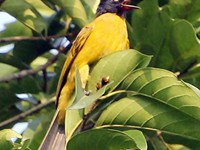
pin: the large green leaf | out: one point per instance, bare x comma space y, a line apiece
108, 139
163, 86
159, 102
74, 9
155, 25
40, 6
117, 66
26, 13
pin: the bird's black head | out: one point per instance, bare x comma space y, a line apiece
118, 7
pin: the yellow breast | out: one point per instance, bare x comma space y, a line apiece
109, 35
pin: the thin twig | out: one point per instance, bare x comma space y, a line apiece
27, 38
24, 73
25, 114
44, 87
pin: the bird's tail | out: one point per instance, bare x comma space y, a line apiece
55, 138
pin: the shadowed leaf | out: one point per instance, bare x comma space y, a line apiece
108, 139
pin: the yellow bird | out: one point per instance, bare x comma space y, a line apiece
103, 36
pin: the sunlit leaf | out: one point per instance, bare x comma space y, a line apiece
116, 67
15, 29
93, 4
5, 138
159, 102
43, 9
6, 70
74, 9
164, 86
26, 13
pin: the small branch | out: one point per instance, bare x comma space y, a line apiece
44, 87
25, 114
26, 38
24, 73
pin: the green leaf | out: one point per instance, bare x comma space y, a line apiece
117, 66
6, 70
146, 113
191, 73
73, 119
185, 9
93, 4
163, 86
41, 7
25, 13
107, 139
15, 29
159, 102
5, 138
154, 24
184, 45
74, 9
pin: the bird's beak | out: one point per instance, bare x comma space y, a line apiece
125, 5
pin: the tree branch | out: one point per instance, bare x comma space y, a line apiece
24, 73
26, 38
25, 114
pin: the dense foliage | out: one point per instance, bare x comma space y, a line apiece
152, 98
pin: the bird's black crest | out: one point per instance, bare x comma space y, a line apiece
109, 6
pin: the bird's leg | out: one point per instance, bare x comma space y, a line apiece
84, 73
